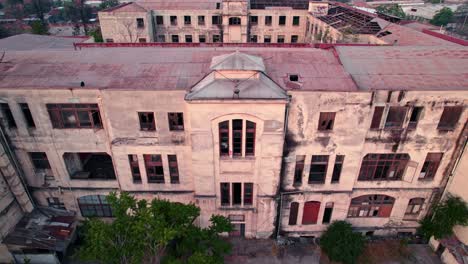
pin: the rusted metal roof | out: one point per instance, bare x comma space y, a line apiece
37, 42
237, 61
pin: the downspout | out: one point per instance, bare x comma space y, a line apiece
280, 211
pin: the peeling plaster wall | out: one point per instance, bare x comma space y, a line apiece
122, 26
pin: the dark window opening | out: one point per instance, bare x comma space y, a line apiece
377, 117
56, 203
268, 20
415, 116
318, 169
216, 20
89, 166
253, 20
176, 121
202, 38
293, 77
142, 40
310, 214
371, 206
147, 122
201, 20
299, 169
154, 168
216, 38
134, 168
294, 38
27, 115
159, 20
381, 167
414, 207
175, 38
430, 166
327, 213
94, 206
140, 23
282, 20
225, 200
337, 168
173, 20
326, 121
188, 38
248, 193
224, 138
234, 21
236, 193
237, 137
296, 20
238, 230
395, 117
450, 117
267, 39
187, 20
250, 139
280, 39
39, 160
218, 5
74, 115
173, 168
7, 115
253, 39
109, 40
294, 209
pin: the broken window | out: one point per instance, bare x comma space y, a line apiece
27, 115
55, 202
293, 210
414, 207
74, 115
187, 20
236, 193
202, 38
142, 40
147, 122
39, 160
173, 168
218, 5
326, 121
299, 169
159, 20
377, 117
237, 137
282, 20
450, 117
337, 168
176, 121
175, 38
224, 138
234, 21
188, 38
154, 168
318, 169
267, 39
225, 199
310, 213
94, 206
233, 193
430, 166
173, 20
89, 166
248, 193
140, 23
395, 117
7, 115
371, 206
294, 38
280, 39
134, 168
327, 213
250, 139
253, 20
201, 20
415, 116
216, 20
216, 38
380, 167
268, 20
253, 38
296, 20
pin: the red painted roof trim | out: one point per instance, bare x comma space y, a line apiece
446, 37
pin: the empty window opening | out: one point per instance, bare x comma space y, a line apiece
282, 20
280, 39
415, 206
267, 39
202, 38
327, 213
294, 38
415, 116
89, 166
175, 38
27, 115
225, 198
253, 20
326, 121
134, 168
310, 214
159, 20
248, 193
318, 169
337, 168
430, 166
147, 122
188, 38
250, 139
154, 168
74, 115
176, 121
268, 20
395, 117
173, 168
293, 210
94, 206
201, 20
237, 137
142, 40
39, 160
379, 167
7, 115
450, 117
293, 77
236, 193
234, 21
187, 20
253, 38
56, 203
216, 20
173, 20
377, 117
299, 169
216, 38
218, 5
224, 138
296, 20
140, 23
232, 193
371, 206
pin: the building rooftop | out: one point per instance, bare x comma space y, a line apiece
37, 42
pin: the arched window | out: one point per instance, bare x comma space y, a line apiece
310, 214
293, 213
94, 205
371, 206
234, 21
378, 167
241, 138
414, 207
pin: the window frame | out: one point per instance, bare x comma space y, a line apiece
377, 117
187, 20
326, 121
102, 205
452, 121
9, 119
371, 205
173, 169
280, 22
201, 20
280, 38
134, 164
337, 168
293, 213
28, 118
299, 169
430, 166
250, 138
140, 22
412, 204
176, 121
175, 37
320, 177
296, 21
56, 115
268, 20
294, 38
39, 160
253, 20
147, 125
154, 161
159, 20
234, 21
173, 20
396, 162
398, 115
188, 39
415, 117
216, 20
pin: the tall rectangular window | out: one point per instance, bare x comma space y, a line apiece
248, 193
7, 115
201, 20
140, 23
236, 193
415, 116
327, 213
39, 160
224, 138
27, 115
250, 139
173, 20
159, 20
134, 168
237, 128
253, 20
293, 210
450, 117
326, 121
154, 168
395, 117
299, 169
173, 168
187, 20
268, 20
225, 194
430, 166
296, 20
176, 121
282, 20
318, 169
377, 117
337, 168
74, 115
147, 122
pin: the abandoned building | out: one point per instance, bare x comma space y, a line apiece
254, 21
285, 139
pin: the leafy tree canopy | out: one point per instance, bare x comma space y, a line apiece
96, 34
153, 231
341, 243
447, 214
393, 10
108, 3
39, 28
442, 17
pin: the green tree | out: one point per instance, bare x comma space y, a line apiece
447, 214
393, 10
341, 243
152, 232
108, 3
4, 32
39, 28
442, 17
96, 34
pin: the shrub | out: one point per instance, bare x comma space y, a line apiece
341, 243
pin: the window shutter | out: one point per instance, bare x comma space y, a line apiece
311, 211
293, 213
